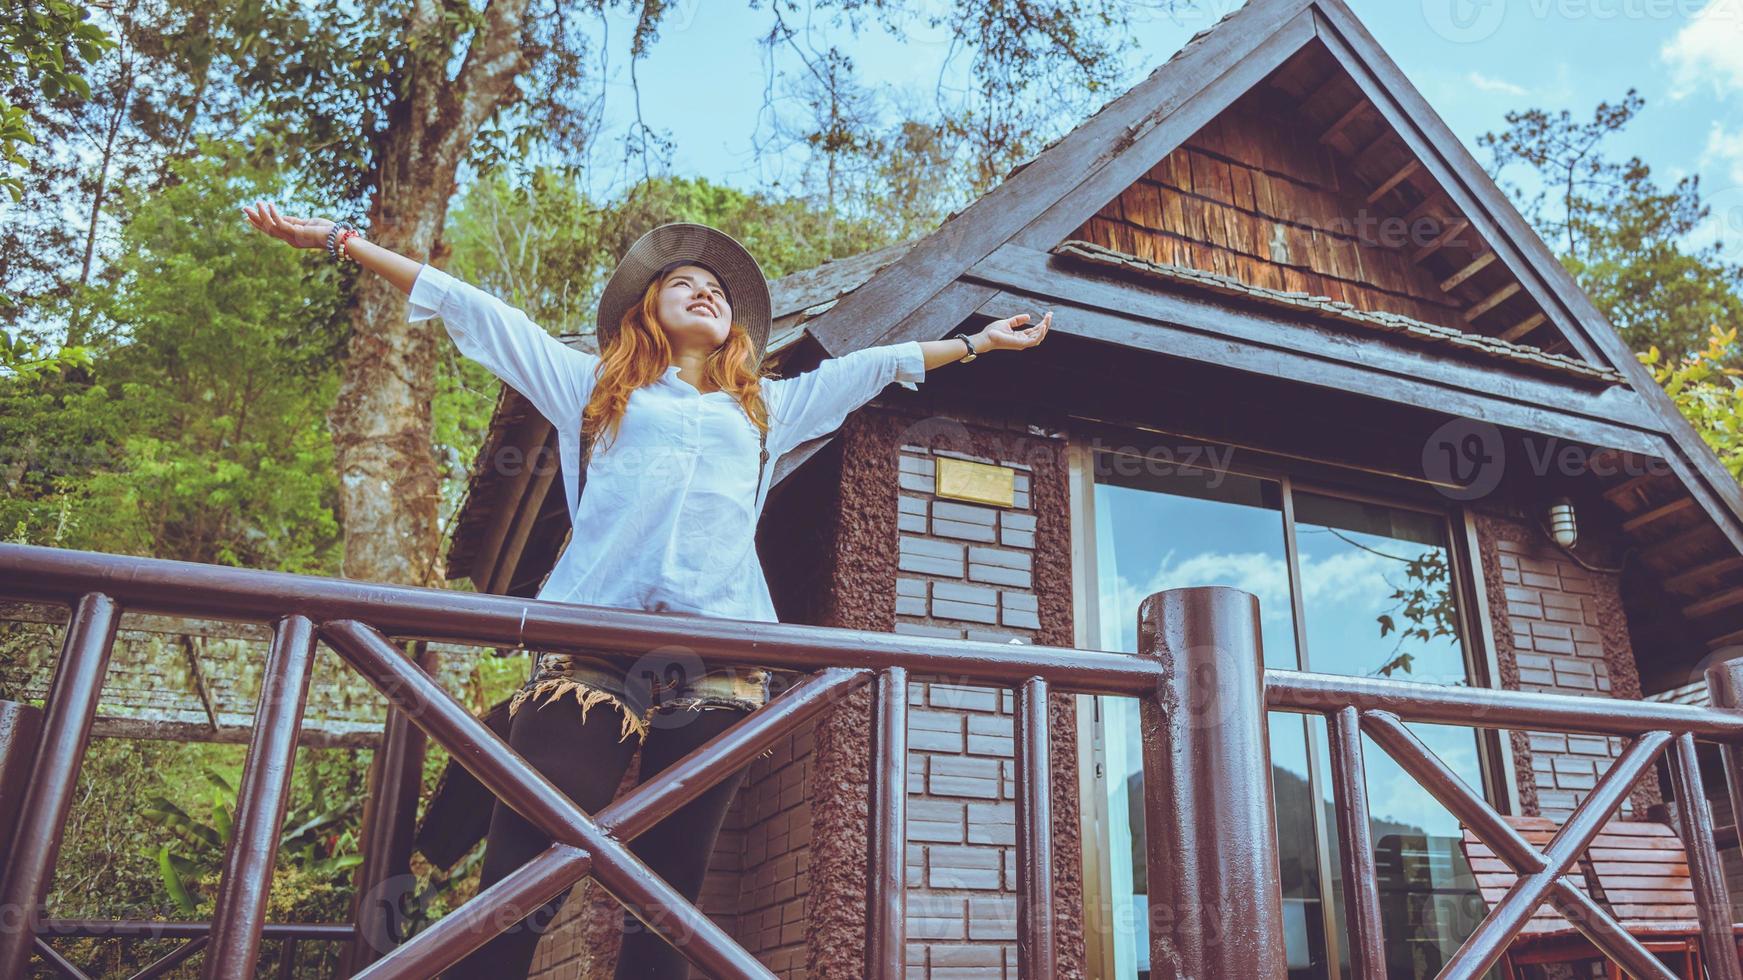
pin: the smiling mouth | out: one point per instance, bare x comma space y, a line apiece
704, 307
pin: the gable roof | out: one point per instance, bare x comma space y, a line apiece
1000, 253
1006, 250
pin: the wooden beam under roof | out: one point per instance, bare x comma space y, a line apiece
1524, 326
1626, 487
1670, 546
1441, 240
1639, 521
1714, 603
1387, 185
1365, 152
1471, 268
1421, 209
1330, 83
1348, 117
1493, 300
1703, 571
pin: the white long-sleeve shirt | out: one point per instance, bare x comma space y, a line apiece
668, 518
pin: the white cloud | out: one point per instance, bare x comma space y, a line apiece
1708, 51
1261, 574
1354, 579
1349, 581
1723, 154
1497, 86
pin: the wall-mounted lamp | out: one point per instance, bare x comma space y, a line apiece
1561, 522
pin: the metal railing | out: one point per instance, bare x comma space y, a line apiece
194, 936
1215, 899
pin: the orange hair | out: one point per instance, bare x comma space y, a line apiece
640, 354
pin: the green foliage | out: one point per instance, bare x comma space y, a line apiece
196, 428
26, 359
43, 43
316, 847
1425, 605
1625, 238
1708, 392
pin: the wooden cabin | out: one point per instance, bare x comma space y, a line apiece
1302, 345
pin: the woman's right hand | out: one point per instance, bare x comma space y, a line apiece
300, 232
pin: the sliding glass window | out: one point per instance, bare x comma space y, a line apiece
1346, 585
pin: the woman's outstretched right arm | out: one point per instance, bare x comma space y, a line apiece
556, 378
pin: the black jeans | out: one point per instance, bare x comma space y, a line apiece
587, 761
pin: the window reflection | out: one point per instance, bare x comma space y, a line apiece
1164, 530
1377, 599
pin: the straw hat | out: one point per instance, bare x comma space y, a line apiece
681, 243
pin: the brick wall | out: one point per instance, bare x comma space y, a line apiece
770, 826
965, 572
1559, 629
755, 888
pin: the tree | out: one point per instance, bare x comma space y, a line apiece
43, 44
1708, 392
198, 433
43, 47
1625, 238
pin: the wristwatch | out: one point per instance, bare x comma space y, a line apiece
971, 351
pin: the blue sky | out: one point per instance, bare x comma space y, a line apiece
1473, 60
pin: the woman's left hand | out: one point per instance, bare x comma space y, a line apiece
1011, 334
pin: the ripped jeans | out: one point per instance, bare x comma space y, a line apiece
586, 757
651, 691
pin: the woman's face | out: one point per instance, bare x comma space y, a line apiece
693, 309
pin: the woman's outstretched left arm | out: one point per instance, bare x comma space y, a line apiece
815, 403
1007, 334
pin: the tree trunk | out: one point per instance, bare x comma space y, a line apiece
381, 425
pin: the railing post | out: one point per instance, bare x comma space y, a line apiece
240, 911
886, 873
1349, 782
1706, 874
1216, 906
20, 734
1035, 900
66, 730
1725, 690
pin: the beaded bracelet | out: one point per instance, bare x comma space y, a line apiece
339, 245
337, 236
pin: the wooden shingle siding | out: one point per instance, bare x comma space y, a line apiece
1255, 196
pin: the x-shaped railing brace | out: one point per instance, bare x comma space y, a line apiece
1542, 874
582, 845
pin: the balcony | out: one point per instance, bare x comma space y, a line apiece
1198, 677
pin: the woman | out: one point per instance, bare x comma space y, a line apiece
677, 406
